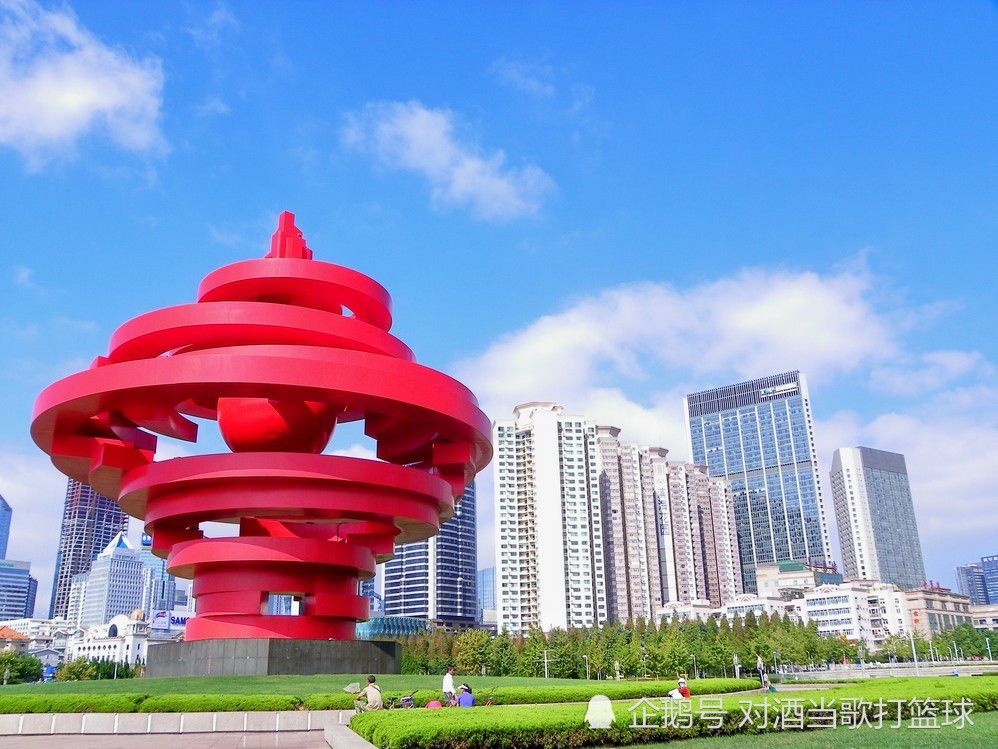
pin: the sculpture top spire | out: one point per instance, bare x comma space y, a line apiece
288, 240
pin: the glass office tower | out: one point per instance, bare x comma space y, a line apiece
759, 435
5, 513
436, 579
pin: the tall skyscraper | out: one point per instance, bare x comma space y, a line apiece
878, 534
550, 566
989, 565
698, 540
759, 435
5, 515
970, 583
435, 579
89, 522
159, 587
113, 585
487, 595
17, 590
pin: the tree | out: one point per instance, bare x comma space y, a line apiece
502, 656
474, 651
17, 668
79, 670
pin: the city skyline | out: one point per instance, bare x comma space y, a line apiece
618, 243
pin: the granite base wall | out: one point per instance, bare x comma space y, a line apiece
267, 657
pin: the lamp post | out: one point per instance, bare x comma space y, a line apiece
914, 655
776, 661
586, 657
987, 641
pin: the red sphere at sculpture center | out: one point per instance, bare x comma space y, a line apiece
268, 425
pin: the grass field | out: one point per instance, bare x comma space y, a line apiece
276, 684
984, 733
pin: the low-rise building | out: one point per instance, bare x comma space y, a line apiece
742, 604
790, 579
860, 610
11, 641
124, 639
933, 608
985, 617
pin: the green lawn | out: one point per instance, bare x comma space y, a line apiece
278, 684
984, 733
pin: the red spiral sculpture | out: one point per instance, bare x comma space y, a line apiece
277, 351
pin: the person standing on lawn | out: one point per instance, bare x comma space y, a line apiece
448, 687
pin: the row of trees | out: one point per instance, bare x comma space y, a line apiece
83, 670
641, 648
634, 649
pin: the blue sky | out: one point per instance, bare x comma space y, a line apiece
607, 207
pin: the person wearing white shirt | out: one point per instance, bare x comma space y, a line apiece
448, 687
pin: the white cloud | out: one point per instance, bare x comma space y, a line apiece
411, 137
929, 372
745, 326
626, 355
36, 491
59, 83
536, 80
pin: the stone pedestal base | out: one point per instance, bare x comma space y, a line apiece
265, 657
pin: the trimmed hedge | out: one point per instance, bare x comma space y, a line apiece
70, 703
217, 703
563, 726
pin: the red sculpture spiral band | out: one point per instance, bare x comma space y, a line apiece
278, 351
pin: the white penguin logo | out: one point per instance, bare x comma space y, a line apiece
600, 712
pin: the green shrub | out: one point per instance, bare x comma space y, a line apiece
341, 701
563, 726
217, 703
70, 703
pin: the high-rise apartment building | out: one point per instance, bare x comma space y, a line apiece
699, 558
759, 435
970, 583
17, 590
878, 534
550, 565
629, 504
113, 585
436, 579
89, 522
5, 515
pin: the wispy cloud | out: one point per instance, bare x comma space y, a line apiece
59, 83
411, 137
211, 107
531, 78
208, 32
24, 277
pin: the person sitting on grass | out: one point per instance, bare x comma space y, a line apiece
464, 696
681, 692
371, 695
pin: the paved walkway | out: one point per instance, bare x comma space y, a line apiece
310, 740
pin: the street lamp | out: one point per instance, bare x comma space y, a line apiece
914, 655
987, 641
776, 661
586, 657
